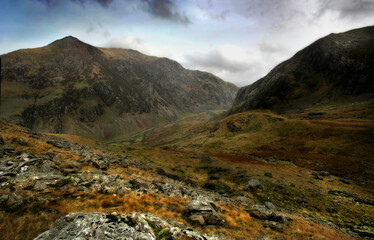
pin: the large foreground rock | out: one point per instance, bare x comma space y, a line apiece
100, 226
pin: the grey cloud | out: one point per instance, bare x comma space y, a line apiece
222, 16
349, 8
271, 48
283, 13
106, 34
217, 61
52, 3
129, 42
165, 9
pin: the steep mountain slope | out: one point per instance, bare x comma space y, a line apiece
72, 87
337, 69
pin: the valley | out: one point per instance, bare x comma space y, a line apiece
106, 143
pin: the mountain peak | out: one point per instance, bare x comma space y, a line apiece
68, 41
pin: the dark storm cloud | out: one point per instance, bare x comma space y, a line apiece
165, 9
51, 3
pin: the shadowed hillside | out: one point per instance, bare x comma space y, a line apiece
335, 70
72, 87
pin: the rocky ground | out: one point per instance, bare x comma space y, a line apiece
44, 174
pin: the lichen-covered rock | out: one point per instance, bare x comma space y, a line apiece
100, 226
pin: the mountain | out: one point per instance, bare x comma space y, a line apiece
335, 70
72, 87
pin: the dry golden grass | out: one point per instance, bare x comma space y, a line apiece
26, 226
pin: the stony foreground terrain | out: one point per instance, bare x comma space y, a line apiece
95, 194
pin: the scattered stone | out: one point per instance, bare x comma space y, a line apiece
160, 171
214, 176
262, 237
138, 183
172, 176
341, 193
344, 181
364, 201
40, 186
253, 184
317, 177
94, 225
11, 202
20, 141
270, 205
218, 186
364, 231
204, 213
7, 149
56, 143
50, 153
206, 160
324, 173
276, 226
197, 219
260, 211
270, 175
232, 127
264, 213
272, 119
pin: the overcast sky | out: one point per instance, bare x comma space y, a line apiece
238, 40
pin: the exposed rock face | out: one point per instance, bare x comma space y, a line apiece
72, 87
100, 226
338, 68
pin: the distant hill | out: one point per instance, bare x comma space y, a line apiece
335, 70
72, 87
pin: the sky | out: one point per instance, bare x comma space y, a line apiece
240, 41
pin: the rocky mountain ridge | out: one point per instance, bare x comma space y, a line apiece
73, 87
334, 70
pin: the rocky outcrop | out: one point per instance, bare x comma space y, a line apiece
336, 69
100, 226
268, 216
72, 87
253, 185
203, 212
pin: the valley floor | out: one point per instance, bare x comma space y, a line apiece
315, 168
